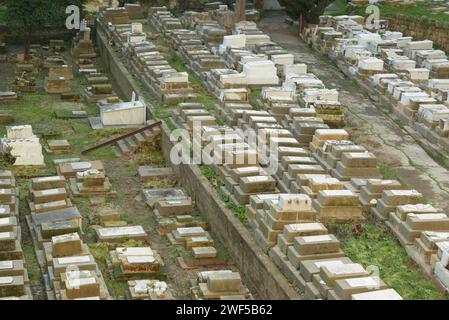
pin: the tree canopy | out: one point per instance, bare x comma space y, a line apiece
309, 10
24, 17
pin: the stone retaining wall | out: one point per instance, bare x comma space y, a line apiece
256, 268
421, 28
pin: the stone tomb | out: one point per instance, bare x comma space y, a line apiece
253, 185
218, 285
91, 182
58, 147
392, 198
167, 207
191, 237
152, 196
286, 210
385, 294
441, 265
149, 173
356, 165
135, 262
414, 223
325, 280
131, 113
79, 284
372, 191
149, 290
64, 71
50, 193
24, 146
337, 206
97, 92
57, 85
70, 169
56, 222
345, 288
121, 234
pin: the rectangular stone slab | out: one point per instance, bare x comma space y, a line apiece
316, 244
226, 282
329, 274
344, 288
257, 184
49, 195
52, 182
105, 234
385, 294
429, 221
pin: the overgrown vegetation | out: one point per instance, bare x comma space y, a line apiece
423, 10
387, 172
239, 211
375, 246
26, 17
305, 11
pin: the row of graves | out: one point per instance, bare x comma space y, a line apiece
70, 271
336, 180
14, 280
41, 57
248, 183
185, 228
135, 263
417, 86
114, 113
147, 60
99, 88
411, 75
172, 209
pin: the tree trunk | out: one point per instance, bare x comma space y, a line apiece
239, 10
27, 45
301, 23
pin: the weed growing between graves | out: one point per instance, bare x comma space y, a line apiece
376, 246
239, 211
100, 251
387, 172
254, 95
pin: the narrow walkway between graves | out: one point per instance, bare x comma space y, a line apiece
369, 125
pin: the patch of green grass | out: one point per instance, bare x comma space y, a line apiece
239, 211
343, 8
254, 95
2, 15
387, 172
100, 251
375, 246
422, 12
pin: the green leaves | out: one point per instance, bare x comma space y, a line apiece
37, 15
309, 9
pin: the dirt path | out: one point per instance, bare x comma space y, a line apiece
369, 125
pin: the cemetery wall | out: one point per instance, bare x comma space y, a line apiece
421, 29
257, 270
255, 266
117, 69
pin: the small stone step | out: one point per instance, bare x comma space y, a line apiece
132, 145
117, 151
148, 134
139, 138
123, 147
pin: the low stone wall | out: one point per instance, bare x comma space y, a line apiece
116, 68
421, 28
256, 268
